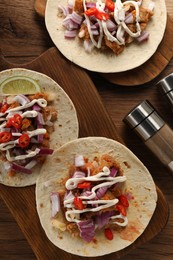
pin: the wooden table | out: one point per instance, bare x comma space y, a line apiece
23, 37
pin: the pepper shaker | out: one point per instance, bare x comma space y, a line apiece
153, 130
165, 86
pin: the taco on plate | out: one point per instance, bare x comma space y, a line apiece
105, 35
94, 197
32, 125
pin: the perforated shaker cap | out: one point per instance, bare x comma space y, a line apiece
144, 120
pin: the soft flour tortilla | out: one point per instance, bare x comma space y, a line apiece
66, 125
139, 183
133, 55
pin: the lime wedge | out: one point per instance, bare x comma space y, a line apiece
19, 85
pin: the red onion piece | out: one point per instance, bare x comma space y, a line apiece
129, 18
111, 25
113, 172
143, 37
79, 161
45, 151
101, 192
70, 34
87, 229
36, 108
63, 9
20, 168
40, 118
55, 200
88, 45
76, 18
78, 174
21, 99
90, 5
103, 219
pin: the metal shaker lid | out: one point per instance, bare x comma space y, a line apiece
144, 120
165, 86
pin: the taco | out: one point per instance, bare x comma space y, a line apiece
32, 126
105, 35
94, 197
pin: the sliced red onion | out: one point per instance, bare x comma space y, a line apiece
40, 118
21, 99
102, 219
76, 18
111, 25
70, 34
63, 9
113, 172
31, 164
95, 32
45, 151
55, 200
79, 161
70, 25
70, 3
20, 168
87, 229
40, 138
36, 108
68, 195
143, 37
129, 18
88, 45
86, 193
90, 5
101, 192
78, 174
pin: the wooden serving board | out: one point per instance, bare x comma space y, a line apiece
147, 71
93, 121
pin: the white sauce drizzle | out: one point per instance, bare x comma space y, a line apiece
29, 114
72, 215
119, 16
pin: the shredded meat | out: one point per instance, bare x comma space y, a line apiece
78, 7
73, 229
117, 49
144, 14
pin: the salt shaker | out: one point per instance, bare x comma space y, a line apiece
153, 130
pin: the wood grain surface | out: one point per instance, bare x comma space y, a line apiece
23, 37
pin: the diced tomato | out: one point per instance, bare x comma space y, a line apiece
121, 209
5, 137
4, 107
109, 234
24, 140
110, 5
91, 11
84, 185
78, 203
99, 15
102, 16
123, 200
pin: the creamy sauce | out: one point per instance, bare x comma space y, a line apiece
27, 114
119, 16
72, 215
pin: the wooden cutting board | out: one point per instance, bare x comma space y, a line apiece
147, 71
93, 121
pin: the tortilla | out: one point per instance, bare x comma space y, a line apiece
139, 184
133, 56
65, 127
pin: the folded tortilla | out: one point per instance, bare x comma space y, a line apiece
139, 184
107, 62
65, 127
